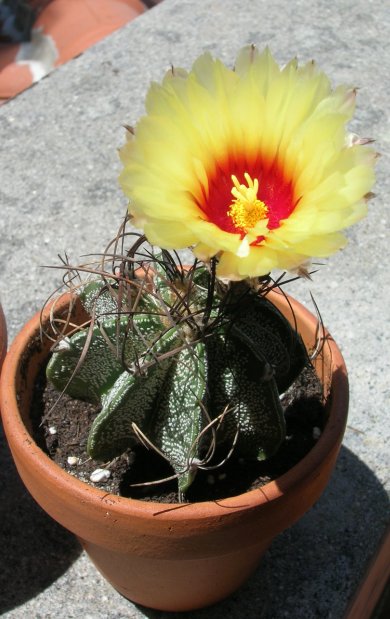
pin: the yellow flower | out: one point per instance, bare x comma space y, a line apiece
252, 165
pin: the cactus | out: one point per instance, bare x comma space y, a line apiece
181, 362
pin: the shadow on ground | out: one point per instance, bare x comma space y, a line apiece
310, 571
35, 550
313, 569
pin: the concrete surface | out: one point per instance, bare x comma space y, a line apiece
59, 193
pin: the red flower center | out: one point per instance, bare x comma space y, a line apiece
275, 191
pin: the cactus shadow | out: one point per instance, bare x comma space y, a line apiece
35, 549
313, 569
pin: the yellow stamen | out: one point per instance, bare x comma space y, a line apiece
246, 210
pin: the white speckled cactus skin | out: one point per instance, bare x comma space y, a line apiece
181, 363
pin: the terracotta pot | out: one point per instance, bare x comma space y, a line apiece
3, 336
62, 30
172, 557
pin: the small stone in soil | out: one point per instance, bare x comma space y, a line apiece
316, 433
99, 475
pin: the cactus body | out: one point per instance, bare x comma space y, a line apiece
172, 363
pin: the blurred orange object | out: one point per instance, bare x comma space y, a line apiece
63, 29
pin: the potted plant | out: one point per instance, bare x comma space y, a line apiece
254, 169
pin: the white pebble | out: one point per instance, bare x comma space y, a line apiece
72, 460
100, 475
52, 430
316, 433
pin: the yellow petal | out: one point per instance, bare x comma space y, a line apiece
213, 122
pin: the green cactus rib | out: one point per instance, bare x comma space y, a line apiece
102, 364
269, 336
130, 401
98, 299
254, 416
179, 419
102, 301
95, 373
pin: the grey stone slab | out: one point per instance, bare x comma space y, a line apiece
59, 193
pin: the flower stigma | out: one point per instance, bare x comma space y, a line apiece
246, 210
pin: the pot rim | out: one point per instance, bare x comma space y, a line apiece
3, 336
330, 438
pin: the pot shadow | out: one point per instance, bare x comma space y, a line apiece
35, 550
313, 569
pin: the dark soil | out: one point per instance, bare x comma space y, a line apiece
61, 429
